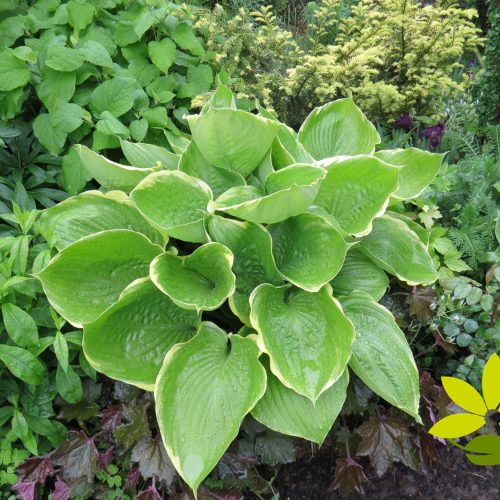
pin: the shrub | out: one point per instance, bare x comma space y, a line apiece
97, 73
280, 238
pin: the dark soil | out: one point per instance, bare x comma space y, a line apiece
454, 478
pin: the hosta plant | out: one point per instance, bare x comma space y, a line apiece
244, 278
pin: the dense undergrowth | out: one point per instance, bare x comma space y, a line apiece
111, 74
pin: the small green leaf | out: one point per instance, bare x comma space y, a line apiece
61, 349
398, 250
80, 14
381, 356
115, 95
338, 128
218, 134
63, 58
306, 335
130, 339
184, 201
162, 54
283, 410
56, 87
69, 385
110, 125
89, 275
51, 137
95, 53
22, 364
185, 38
14, 71
360, 274
201, 281
20, 326
204, 390
308, 250
67, 117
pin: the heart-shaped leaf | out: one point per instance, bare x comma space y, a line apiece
204, 390
283, 410
201, 281
130, 339
90, 274
308, 250
232, 139
360, 273
306, 335
253, 259
219, 179
398, 250
288, 192
109, 174
338, 128
418, 169
356, 190
381, 356
92, 212
183, 202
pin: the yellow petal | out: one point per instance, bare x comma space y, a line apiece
464, 395
457, 425
491, 382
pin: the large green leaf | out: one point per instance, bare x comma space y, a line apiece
232, 139
253, 259
418, 169
381, 356
288, 192
283, 410
201, 281
308, 250
356, 190
90, 274
398, 250
338, 128
219, 179
143, 155
176, 202
130, 339
360, 273
306, 336
109, 174
92, 212
204, 390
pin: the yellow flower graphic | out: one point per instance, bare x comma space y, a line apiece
477, 406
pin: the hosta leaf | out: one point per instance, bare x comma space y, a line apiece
338, 128
356, 190
130, 339
288, 192
253, 259
360, 273
22, 364
90, 274
109, 174
289, 140
201, 281
308, 250
381, 357
204, 390
89, 213
219, 179
232, 139
283, 410
418, 169
306, 335
148, 155
398, 250
184, 200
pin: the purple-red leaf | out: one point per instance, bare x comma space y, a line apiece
349, 477
61, 491
26, 491
35, 470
